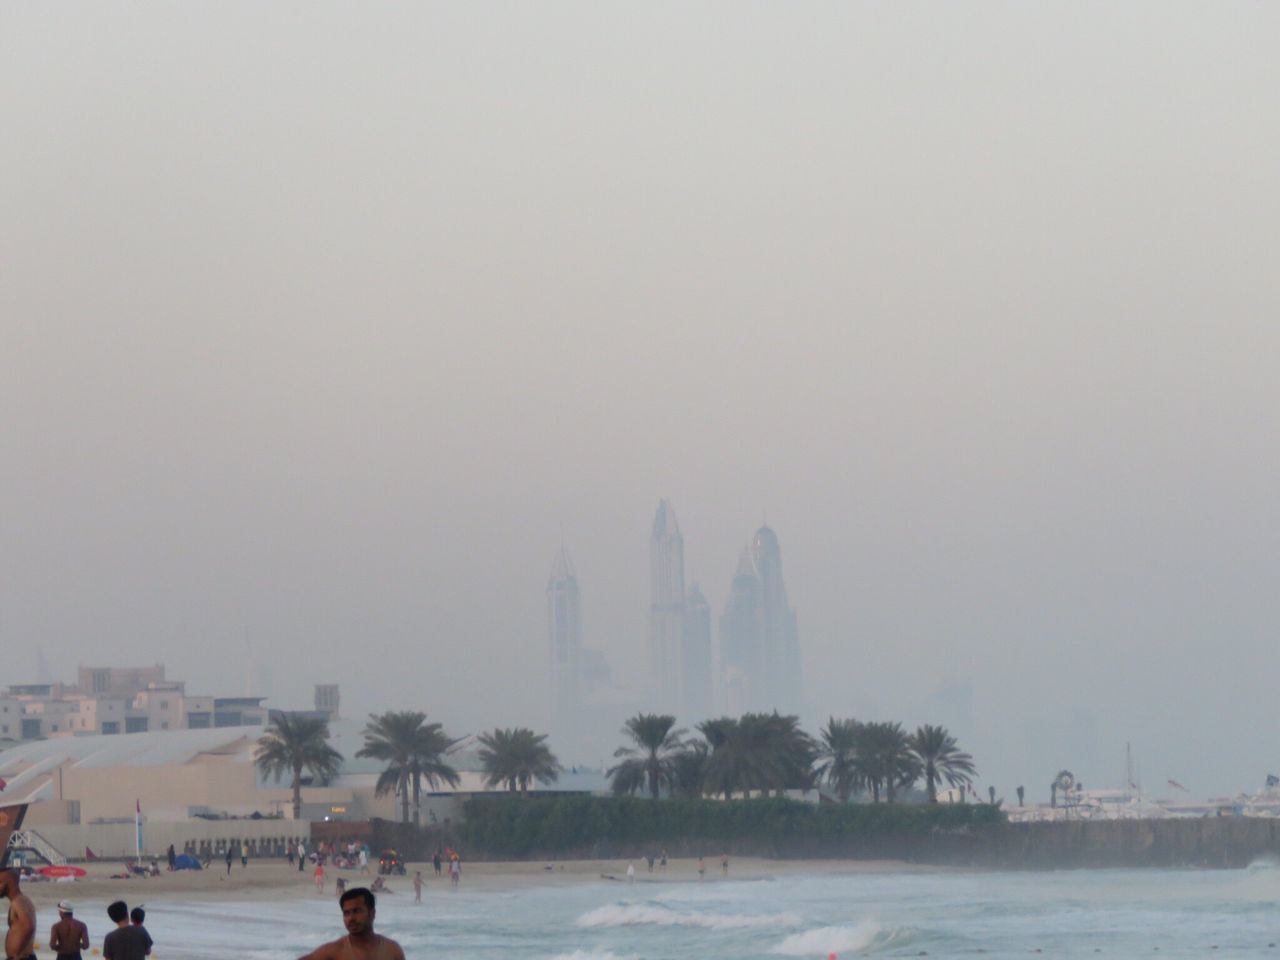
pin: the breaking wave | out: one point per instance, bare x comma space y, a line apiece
824, 941
637, 914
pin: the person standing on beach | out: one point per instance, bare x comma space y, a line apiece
360, 943
69, 936
319, 875
20, 940
172, 854
302, 856
455, 871
435, 861
244, 853
417, 886
138, 916
724, 864
230, 858
125, 942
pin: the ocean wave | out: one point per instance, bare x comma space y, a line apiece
824, 941
591, 955
638, 914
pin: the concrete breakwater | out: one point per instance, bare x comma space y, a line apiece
1203, 842
1222, 842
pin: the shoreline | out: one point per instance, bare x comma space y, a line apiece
276, 880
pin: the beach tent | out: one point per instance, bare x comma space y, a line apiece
184, 861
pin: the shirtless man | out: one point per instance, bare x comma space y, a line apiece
69, 936
360, 943
19, 942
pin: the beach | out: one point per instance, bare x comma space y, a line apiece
276, 880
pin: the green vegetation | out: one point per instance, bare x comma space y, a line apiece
414, 751
293, 744
548, 826
516, 757
762, 753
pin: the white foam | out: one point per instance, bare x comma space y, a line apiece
823, 941
591, 955
636, 914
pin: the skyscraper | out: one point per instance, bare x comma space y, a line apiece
781, 641
759, 643
696, 668
564, 632
741, 673
666, 609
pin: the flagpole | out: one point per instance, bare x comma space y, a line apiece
137, 830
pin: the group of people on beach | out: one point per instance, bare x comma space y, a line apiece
128, 939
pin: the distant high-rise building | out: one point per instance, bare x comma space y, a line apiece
781, 639
327, 699
741, 661
696, 668
759, 643
666, 609
564, 633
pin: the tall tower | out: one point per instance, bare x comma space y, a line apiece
741, 631
781, 646
696, 667
564, 634
666, 609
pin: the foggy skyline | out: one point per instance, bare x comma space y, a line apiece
323, 326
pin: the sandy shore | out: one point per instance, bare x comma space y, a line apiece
276, 880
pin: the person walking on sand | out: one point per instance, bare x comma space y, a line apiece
230, 858
319, 876
364, 859
244, 853
417, 886
435, 861
302, 856
69, 936
172, 855
360, 943
20, 939
455, 871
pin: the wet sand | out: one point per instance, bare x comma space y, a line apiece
276, 880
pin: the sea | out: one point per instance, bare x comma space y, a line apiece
1076, 913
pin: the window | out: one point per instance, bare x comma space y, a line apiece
164, 724
164, 704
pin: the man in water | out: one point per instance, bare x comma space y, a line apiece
417, 886
19, 942
125, 942
360, 943
69, 936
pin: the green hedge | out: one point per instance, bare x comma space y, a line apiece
519, 827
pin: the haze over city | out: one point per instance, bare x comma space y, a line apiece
323, 333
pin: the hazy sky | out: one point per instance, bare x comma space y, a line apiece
324, 324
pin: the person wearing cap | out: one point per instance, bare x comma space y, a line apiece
69, 936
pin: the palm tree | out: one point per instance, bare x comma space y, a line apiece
649, 760
414, 751
886, 760
757, 751
294, 743
689, 770
941, 759
517, 757
838, 756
